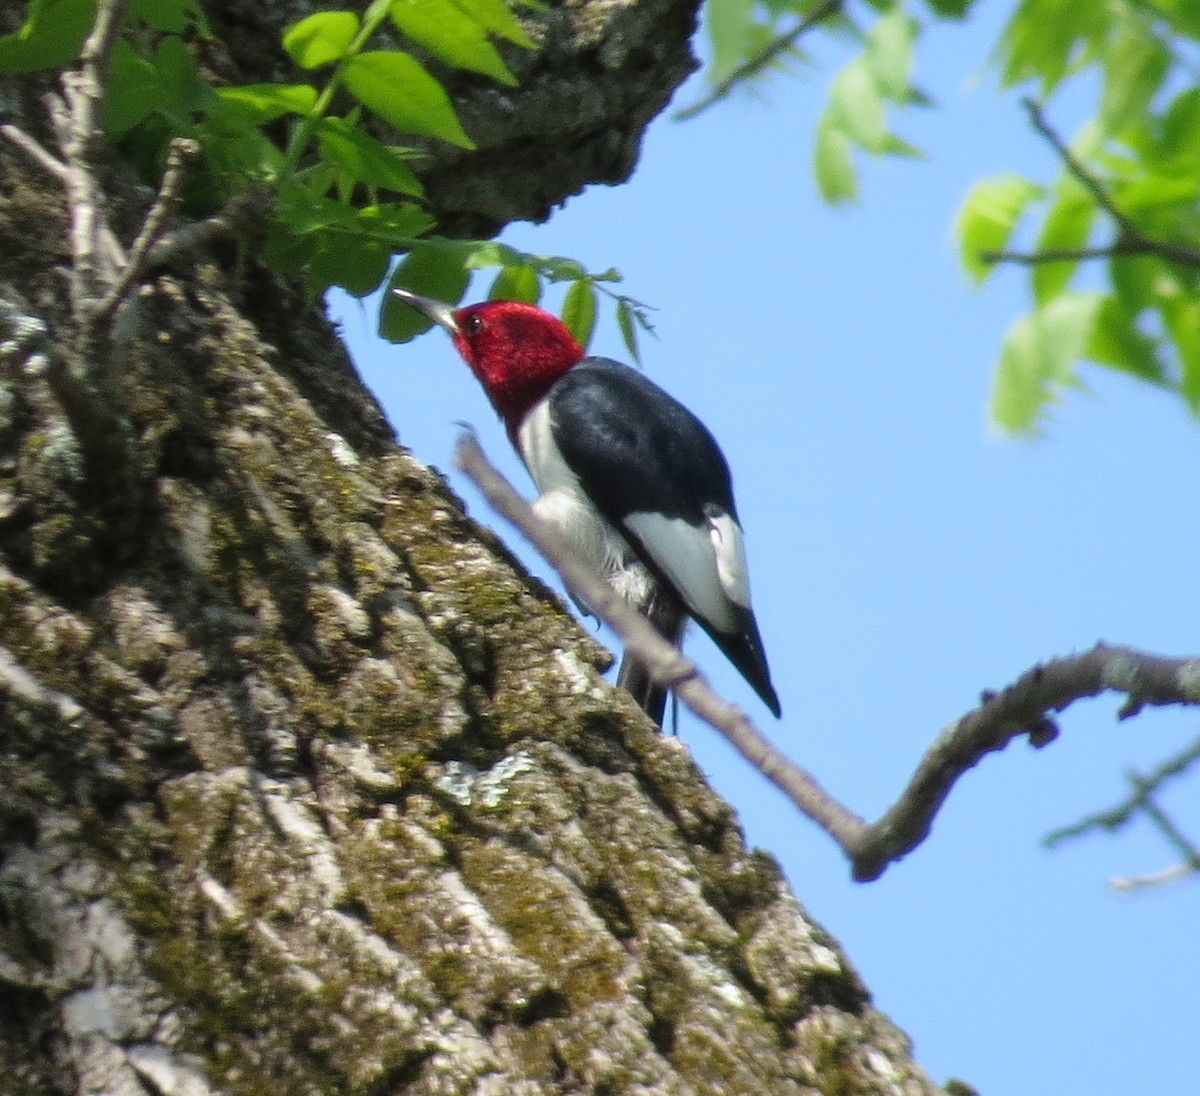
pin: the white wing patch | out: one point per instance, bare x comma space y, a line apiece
705, 563
730, 550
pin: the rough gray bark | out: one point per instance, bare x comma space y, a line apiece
305, 787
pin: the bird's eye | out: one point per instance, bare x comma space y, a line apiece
473, 326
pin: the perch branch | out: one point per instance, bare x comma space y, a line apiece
752, 66
1023, 708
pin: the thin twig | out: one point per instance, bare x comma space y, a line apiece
1022, 708
35, 151
1117, 816
1173, 874
1163, 822
1059, 254
93, 268
751, 67
1075, 166
1130, 240
180, 152
247, 211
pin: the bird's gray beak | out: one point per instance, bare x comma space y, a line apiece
441, 314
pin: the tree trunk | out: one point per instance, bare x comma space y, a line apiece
305, 786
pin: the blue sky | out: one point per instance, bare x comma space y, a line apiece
903, 558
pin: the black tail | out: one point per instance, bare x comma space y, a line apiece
745, 650
667, 615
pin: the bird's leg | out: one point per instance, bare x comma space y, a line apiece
665, 611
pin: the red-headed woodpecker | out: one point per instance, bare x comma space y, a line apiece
632, 477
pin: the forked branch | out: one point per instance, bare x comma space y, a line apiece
1130, 240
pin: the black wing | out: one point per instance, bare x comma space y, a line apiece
608, 419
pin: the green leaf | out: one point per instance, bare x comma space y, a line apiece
238, 153
497, 17
134, 89
987, 218
452, 35
579, 311
1119, 344
51, 36
186, 92
627, 322
396, 225
1181, 315
1178, 139
304, 211
950, 9
1041, 41
434, 269
1068, 226
896, 146
516, 283
321, 39
727, 22
1134, 67
285, 252
364, 159
1038, 357
858, 106
889, 52
1151, 191
558, 269
357, 265
489, 253
168, 16
833, 162
257, 104
397, 88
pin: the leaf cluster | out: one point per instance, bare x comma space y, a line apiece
1127, 197
347, 203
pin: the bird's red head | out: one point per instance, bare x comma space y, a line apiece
516, 351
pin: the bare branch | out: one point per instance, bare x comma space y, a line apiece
1163, 822
1173, 874
1148, 807
1116, 817
1022, 708
1130, 240
35, 151
241, 214
1059, 254
1075, 166
750, 68
179, 153
94, 267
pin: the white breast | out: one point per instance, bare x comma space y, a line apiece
563, 503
